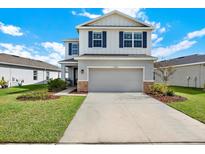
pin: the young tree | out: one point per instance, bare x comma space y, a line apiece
164, 72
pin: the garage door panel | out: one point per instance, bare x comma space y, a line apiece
107, 79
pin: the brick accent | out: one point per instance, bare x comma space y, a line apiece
146, 86
82, 86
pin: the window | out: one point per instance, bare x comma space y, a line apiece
128, 39
97, 39
74, 48
35, 75
138, 40
47, 75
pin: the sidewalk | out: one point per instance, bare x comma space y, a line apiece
66, 91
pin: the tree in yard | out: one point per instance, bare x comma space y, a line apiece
164, 72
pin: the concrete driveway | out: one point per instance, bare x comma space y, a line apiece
130, 118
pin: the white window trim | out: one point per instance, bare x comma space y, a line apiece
98, 39
133, 39
137, 39
77, 49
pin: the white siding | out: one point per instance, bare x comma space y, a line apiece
147, 65
115, 20
179, 78
112, 44
26, 74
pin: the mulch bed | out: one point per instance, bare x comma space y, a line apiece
76, 92
48, 97
168, 99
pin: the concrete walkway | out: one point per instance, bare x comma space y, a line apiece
66, 91
131, 118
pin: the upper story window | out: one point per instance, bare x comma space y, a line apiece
74, 48
128, 39
97, 39
132, 39
138, 39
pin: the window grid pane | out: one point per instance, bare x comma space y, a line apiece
97, 39
74, 49
128, 39
137, 43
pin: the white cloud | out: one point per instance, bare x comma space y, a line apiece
158, 40
85, 14
54, 46
195, 34
162, 30
166, 51
10, 30
55, 54
154, 36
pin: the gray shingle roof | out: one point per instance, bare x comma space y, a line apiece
26, 62
182, 60
118, 55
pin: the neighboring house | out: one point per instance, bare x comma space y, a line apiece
17, 70
189, 71
113, 53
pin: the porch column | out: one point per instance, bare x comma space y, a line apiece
63, 71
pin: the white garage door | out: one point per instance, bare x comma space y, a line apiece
118, 80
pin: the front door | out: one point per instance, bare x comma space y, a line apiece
75, 76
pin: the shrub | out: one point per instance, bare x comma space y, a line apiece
161, 89
36, 95
56, 85
170, 92
3, 83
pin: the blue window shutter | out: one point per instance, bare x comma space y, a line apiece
70, 49
104, 39
90, 39
144, 39
121, 39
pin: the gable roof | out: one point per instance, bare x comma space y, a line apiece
26, 62
118, 13
186, 60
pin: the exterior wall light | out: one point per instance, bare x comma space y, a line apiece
82, 71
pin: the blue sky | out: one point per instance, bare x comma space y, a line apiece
38, 33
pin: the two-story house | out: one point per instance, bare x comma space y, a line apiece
113, 53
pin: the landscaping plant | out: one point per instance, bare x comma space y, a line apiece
56, 85
3, 83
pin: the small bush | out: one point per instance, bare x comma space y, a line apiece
3, 83
37, 95
161, 89
170, 92
56, 85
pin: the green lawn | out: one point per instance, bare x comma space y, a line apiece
34, 121
194, 106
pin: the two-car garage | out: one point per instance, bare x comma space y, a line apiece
115, 80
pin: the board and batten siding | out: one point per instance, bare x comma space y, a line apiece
179, 78
115, 20
112, 46
26, 74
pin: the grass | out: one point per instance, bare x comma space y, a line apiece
194, 106
34, 121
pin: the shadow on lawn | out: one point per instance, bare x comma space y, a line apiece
188, 90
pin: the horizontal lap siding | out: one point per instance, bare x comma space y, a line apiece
148, 65
179, 78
